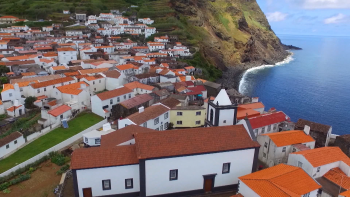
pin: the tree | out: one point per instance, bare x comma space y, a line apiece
29, 102
3, 70
4, 80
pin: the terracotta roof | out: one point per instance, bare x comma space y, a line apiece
103, 157
65, 49
113, 93
51, 82
136, 101
289, 137
41, 97
91, 71
112, 74
136, 84
50, 54
252, 105
13, 108
242, 113
28, 74
52, 103
12, 63
20, 84
345, 194
40, 78
1, 102
192, 141
148, 114
9, 17
314, 126
14, 58
280, 181
125, 66
75, 73
170, 102
59, 110
95, 77
338, 177
10, 138
325, 155
267, 119
59, 68
74, 88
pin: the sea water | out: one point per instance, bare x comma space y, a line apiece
313, 83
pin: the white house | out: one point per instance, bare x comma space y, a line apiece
12, 92
328, 165
139, 88
16, 110
155, 117
10, 143
46, 87
281, 180
275, 147
164, 163
75, 95
56, 115
66, 54
101, 104
93, 138
114, 79
96, 83
66, 12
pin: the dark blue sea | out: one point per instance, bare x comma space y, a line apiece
313, 84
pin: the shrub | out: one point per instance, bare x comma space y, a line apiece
58, 159
63, 169
20, 178
6, 191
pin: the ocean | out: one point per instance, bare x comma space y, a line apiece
313, 83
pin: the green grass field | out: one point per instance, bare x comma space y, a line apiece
78, 124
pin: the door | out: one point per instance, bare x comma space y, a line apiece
208, 185
87, 192
20, 112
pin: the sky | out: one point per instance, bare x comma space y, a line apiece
308, 17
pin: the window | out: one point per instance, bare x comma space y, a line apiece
156, 121
179, 113
129, 183
106, 184
263, 130
173, 175
300, 164
93, 83
224, 121
179, 122
198, 113
124, 96
61, 116
98, 141
129, 95
86, 140
21, 89
264, 154
7, 146
274, 127
15, 142
10, 94
145, 124
53, 86
226, 168
71, 96
111, 101
269, 128
99, 81
265, 145
198, 122
38, 90
318, 169
284, 149
44, 89
165, 126
306, 195
118, 100
166, 115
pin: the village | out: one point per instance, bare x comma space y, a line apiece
123, 116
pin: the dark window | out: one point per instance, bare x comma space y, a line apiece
111, 101
265, 145
269, 128
98, 141
7, 146
198, 113
129, 183
263, 130
198, 122
106, 184
86, 140
264, 154
156, 121
124, 96
226, 168
179, 122
130, 95
61, 116
224, 121
145, 124
38, 90
179, 113
44, 89
118, 100
284, 149
166, 115
211, 115
15, 142
318, 169
173, 175
93, 83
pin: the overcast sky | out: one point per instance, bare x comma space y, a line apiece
308, 17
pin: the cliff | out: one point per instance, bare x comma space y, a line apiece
230, 33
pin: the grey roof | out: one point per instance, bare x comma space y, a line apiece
314, 126
179, 96
192, 107
212, 84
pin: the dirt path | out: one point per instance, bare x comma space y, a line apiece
41, 184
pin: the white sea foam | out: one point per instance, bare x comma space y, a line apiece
243, 83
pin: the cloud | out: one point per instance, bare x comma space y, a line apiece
276, 16
339, 18
321, 4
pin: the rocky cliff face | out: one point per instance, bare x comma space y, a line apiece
231, 33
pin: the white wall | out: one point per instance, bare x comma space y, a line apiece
117, 174
245, 190
12, 146
150, 123
192, 168
97, 103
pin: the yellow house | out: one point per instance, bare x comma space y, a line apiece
187, 116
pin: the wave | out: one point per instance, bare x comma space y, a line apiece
243, 83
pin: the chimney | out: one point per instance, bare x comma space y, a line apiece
16, 103
307, 130
255, 99
141, 109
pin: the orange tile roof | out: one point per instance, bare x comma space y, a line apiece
325, 155
345, 194
91, 71
13, 108
73, 88
52, 103
95, 77
137, 84
46, 60
41, 97
252, 105
189, 67
242, 113
148, 114
59, 68
280, 181
289, 137
125, 66
183, 78
338, 177
52, 82
66, 49
102, 47
113, 93
50, 54
28, 74
9, 17
14, 58
20, 84
59, 110
0, 102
